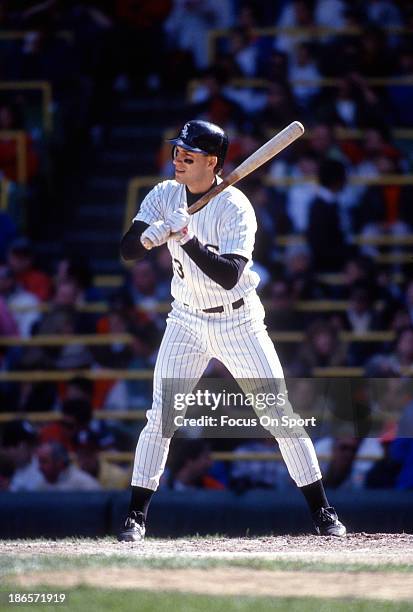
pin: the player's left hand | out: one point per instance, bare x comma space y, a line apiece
178, 222
157, 233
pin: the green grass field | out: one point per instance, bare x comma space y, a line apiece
87, 599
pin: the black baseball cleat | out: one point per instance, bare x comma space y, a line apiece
134, 528
326, 523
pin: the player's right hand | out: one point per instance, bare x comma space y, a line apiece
157, 233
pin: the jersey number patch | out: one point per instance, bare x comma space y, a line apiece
178, 268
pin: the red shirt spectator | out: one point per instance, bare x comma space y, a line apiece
20, 260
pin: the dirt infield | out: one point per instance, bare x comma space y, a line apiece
359, 548
363, 566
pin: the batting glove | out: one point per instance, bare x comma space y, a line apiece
178, 222
157, 233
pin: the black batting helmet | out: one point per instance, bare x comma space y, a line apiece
203, 137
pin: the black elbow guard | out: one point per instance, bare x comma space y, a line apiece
131, 247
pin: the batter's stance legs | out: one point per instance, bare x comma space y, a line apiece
251, 358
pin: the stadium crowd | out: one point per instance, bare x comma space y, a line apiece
336, 85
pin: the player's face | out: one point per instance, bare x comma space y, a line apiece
194, 170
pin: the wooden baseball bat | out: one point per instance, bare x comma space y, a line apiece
271, 148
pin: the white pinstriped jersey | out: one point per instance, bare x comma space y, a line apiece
226, 225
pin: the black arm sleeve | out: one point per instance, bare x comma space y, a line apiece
225, 270
130, 246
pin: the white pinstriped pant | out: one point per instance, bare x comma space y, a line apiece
237, 338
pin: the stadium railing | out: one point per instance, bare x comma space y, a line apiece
164, 307
313, 32
279, 336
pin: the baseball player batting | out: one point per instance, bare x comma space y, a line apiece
216, 312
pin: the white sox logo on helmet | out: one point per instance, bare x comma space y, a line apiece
184, 132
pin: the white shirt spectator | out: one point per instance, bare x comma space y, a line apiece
330, 13
305, 72
71, 479
25, 308
189, 22
369, 451
27, 478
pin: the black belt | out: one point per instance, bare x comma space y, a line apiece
235, 306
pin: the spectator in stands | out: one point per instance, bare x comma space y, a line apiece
8, 325
376, 142
20, 441
384, 211
118, 354
20, 259
61, 319
59, 473
384, 472
330, 13
6, 472
142, 286
280, 108
271, 220
400, 318
89, 459
11, 120
360, 316
136, 394
408, 299
243, 49
23, 304
211, 102
376, 56
295, 14
76, 269
383, 13
274, 67
139, 27
401, 449
300, 195
357, 269
326, 233
402, 357
350, 458
189, 465
256, 473
321, 349
188, 24
352, 104
76, 388
323, 144
303, 67
300, 274
281, 315
400, 96
75, 417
